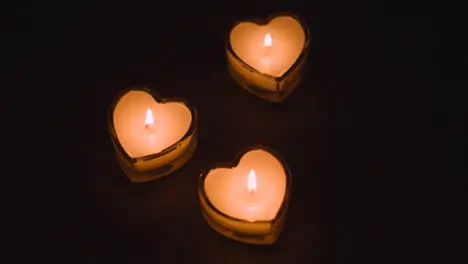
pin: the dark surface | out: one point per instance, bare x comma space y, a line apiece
340, 132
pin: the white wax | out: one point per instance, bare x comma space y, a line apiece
228, 189
171, 121
271, 49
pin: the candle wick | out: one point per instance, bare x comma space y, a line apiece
149, 127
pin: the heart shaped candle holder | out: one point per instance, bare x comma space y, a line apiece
267, 56
247, 200
152, 136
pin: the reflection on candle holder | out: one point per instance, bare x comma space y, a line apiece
247, 200
152, 136
267, 56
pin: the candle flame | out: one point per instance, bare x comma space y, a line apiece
149, 121
267, 41
252, 181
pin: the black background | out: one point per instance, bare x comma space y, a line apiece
369, 80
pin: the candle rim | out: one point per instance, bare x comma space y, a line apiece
160, 100
263, 22
234, 164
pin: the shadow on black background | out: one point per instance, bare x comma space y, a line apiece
341, 131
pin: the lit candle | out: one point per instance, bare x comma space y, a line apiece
247, 202
267, 58
152, 136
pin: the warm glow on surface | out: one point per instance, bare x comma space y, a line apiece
254, 190
252, 181
149, 121
138, 116
270, 48
267, 41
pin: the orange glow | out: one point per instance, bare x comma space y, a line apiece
252, 181
149, 121
267, 41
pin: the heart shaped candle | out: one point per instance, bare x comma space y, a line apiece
247, 201
152, 136
267, 56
